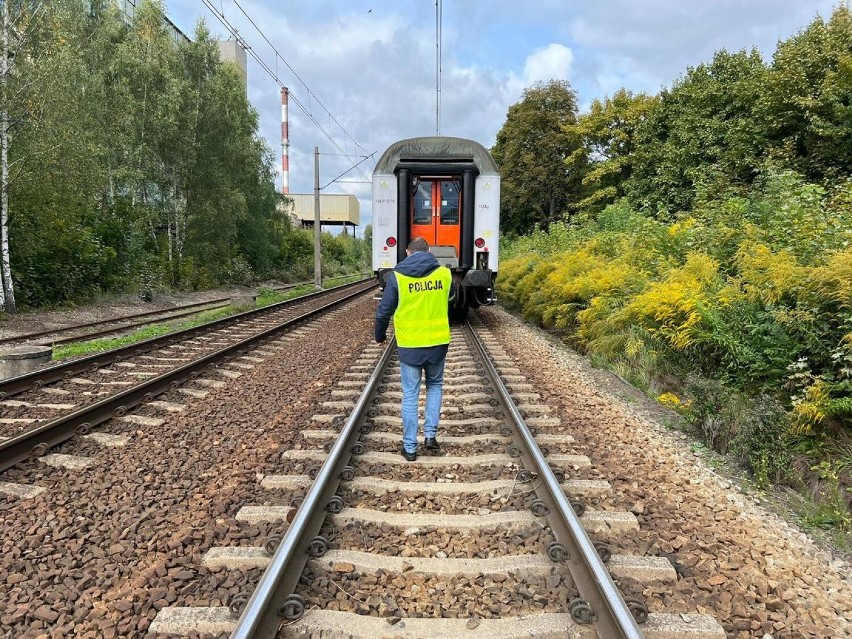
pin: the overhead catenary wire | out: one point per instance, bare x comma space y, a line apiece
220, 15
349, 169
236, 34
297, 76
438, 23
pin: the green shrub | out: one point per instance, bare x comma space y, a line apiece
750, 293
761, 440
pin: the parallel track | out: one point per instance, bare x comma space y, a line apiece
46, 433
132, 321
37, 379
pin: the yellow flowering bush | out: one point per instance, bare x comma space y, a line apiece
671, 309
512, 271
580, 278
725, 291
670, 400
832, 281
810, 411
767, 276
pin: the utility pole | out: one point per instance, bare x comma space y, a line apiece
317, 237
438, 20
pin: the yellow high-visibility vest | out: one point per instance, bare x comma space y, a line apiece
421, 318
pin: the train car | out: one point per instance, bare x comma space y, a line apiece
446, 190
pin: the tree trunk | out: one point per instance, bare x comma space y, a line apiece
178, 233
8, 295
170, 244
180, 229
4, 125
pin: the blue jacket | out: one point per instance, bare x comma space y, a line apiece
417, 264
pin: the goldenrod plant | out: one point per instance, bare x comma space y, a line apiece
705, 253
766, 318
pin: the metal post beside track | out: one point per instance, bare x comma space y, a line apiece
317, 224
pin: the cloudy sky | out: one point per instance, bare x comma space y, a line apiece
371, 63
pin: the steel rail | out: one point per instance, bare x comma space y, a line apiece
263, 613
14, 385
613, 619
39, 440
123, 318
215, 303
212, 305
85, 337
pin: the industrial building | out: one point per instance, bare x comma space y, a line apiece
335, 210
229, 50
128, 10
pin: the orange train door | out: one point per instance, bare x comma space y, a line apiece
435, 212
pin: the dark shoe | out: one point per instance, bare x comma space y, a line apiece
431, 444
408, 456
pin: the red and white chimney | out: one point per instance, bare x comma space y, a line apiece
285, 143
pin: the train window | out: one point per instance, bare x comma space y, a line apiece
423, 203
449, 202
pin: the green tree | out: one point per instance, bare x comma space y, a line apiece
704, 135
135, 161
537, 185
55, 168
607, 135
808, 105
147, 70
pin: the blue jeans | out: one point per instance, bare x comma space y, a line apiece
410, 394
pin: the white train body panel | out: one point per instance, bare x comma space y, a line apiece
487, 220
384, 220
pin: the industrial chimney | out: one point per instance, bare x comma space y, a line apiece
285, 143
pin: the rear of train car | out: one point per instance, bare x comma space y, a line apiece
446, 190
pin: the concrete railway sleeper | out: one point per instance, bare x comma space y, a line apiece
111, 398
135, 320
30, 401
40, 378
500, 534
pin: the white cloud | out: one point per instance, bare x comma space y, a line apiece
553, 62
372, 62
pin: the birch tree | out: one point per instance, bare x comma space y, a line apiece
7, 291
53, 167
4, 159
17, 28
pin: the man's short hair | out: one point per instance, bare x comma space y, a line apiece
418, 244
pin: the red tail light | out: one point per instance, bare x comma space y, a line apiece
479, 242
391, 241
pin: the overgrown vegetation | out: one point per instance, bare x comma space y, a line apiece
135, 162
708, 255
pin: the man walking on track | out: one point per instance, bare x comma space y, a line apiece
416, 295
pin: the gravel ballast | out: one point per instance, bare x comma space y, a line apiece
757, 574
100, 551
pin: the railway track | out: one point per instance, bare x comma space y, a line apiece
124, 323
502, 534
49, 406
